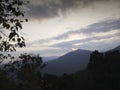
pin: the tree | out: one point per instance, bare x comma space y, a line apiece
11, 19
22, 74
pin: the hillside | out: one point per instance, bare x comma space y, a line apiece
117, 48
68, 63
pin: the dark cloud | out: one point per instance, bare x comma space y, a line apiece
50, 9
103, 26
43, 11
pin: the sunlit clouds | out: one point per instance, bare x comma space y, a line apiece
58, 26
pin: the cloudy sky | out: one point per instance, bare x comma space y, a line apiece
59, 26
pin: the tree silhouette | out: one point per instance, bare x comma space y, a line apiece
11, 19
22, 74
102, 73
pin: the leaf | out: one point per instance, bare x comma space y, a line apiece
22, 14
1, 20
12, 34
11, 20
22, 38
20, 45
13, 39
18, 39
19, 25
7, 26
17, 28
21, 21
23, 43
14, 49
17, 13
7, 47
4, 43
9, 55
11, 28
26, 20
4, 24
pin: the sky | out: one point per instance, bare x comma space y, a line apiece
56, 27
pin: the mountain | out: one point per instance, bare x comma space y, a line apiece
117, 48
68, 63
114, 49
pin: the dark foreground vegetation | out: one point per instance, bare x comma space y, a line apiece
102, 73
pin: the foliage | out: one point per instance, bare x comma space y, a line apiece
102, 73
11, 19
23, 74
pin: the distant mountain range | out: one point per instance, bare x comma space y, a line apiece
70, 62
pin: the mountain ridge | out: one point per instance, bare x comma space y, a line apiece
117, 48
68, 63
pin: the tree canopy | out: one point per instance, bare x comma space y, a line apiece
11, 19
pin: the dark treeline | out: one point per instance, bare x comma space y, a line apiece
102, 73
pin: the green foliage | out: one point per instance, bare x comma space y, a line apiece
11, 19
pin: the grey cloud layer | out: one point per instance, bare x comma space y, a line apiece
53, 8
103, 26
70, 44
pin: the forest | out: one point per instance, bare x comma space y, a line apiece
102, 73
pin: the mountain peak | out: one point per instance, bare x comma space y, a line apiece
68, 63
